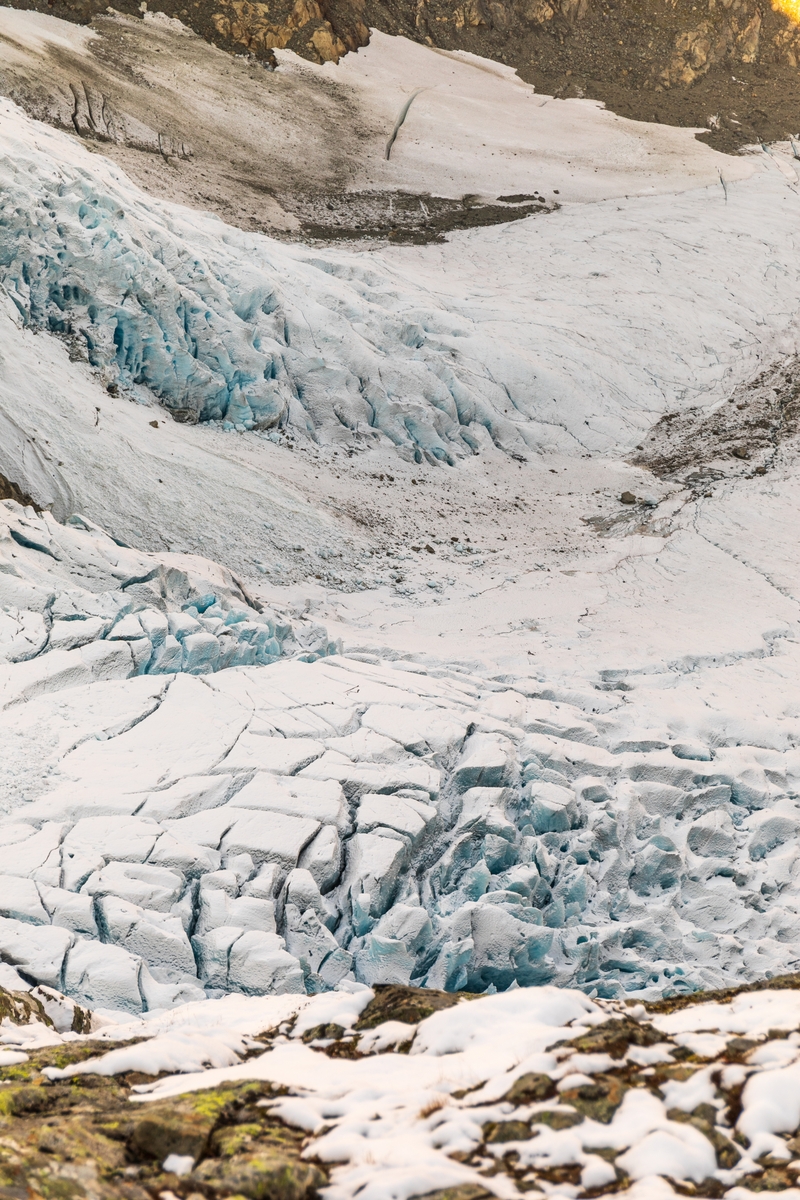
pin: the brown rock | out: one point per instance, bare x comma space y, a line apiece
531, 1089
599, 1099
160, 1130
749, 39
329, 47
615, 1036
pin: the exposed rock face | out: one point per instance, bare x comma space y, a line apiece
728, 65
258, 29
640, 60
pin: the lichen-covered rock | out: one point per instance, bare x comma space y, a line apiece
84, 1139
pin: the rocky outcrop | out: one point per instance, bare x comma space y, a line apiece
260, 28
727, 65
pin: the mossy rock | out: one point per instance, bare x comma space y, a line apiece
265, 1174
599, 1099
704, 1119
323, 1032
464, 1191
233, 1139
557, 1118
531, 1089
76, 1139
82, 1138
614, 1037
160, 1130
392, 1002
773, 1179
507, 1131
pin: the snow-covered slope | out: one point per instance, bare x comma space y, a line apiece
398, 1093
268, 149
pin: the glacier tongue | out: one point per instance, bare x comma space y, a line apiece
284, 828
226, 327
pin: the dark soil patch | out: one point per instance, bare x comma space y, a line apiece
403, 217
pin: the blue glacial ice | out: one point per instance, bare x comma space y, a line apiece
72, 590
229, 327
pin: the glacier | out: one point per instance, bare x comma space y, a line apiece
287, 826
213, 327
404, 870
236, 329
223, 798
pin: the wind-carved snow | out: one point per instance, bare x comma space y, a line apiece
285, 828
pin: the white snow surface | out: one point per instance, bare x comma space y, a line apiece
389, 1123
475, 127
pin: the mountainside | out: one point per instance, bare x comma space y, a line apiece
399, 603
729, 68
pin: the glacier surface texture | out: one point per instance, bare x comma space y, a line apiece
174, 832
